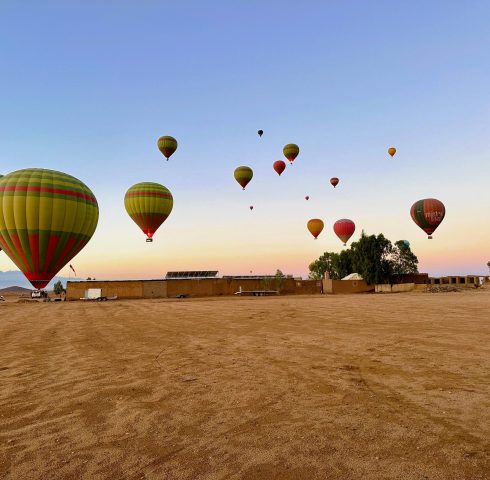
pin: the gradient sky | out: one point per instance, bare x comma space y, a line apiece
87, 87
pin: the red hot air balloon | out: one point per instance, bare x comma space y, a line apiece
307, 197
428, 214
251, 207
344, 229
279, 166
334, 181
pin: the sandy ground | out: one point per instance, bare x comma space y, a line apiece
317, 387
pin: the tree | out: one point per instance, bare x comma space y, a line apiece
58, 288
342, 264
404, 260
266, 282
326, 263
279, 280
371, 258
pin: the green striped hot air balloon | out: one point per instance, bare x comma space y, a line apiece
291, 151
46, 218
243, 175
148, 204
167, 145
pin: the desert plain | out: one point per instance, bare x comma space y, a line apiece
307, 387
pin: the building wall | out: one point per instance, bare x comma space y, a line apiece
192, 287
395, 288
346, 286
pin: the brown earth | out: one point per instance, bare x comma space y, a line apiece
315, 387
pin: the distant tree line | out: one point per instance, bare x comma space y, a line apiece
373, 257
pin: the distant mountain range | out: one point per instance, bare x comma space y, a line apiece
16, 278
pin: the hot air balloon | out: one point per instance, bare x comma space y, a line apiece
307, 197
392, 151
243, 175
279, 166
344, 229
167, 145
428, 214
290, 151
315, 226
46, 218
251, 207
406, 243
148, 204
260, 132
334, 181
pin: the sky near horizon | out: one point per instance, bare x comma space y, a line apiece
88, 87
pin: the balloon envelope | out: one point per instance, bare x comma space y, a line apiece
279, 166
315, 226
251, 207
344, 229
428, 214
46, 218
290, 151
243, 175
334, 181
392, 151
260, 132
149, 205
167, 145
307, 197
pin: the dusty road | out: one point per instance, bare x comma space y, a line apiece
324, 387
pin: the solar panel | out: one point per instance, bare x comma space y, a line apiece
192, 274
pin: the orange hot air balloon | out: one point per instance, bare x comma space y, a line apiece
279, 166
392, 151
428, 214
315, 226
334, 181
307, 197
344, 229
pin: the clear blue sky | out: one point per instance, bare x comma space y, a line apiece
87, 87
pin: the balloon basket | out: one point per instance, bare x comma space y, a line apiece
149, 240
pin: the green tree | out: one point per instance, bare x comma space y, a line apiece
342, 264
279, 280
326, 263
58, 288
404, 260
266, 283
371, 258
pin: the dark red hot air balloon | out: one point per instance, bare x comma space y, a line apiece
428, 214
344, 229
279, 166
307, 197
334, 181
251, 207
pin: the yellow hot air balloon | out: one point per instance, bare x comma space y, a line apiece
46, 218
392, 151
149, 205
315, 226
290, 151
243, 175
167, 145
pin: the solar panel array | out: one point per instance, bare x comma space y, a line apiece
192, 274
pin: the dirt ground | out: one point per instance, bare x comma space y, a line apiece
311, 387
